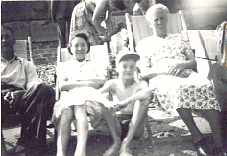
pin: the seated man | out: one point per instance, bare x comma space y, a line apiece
131, 97
78, 78
23, 93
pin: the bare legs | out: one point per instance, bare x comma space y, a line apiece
115, 130
139, 114
64, 129
214, 121
82, 130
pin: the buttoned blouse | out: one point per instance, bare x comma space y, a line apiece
74, 69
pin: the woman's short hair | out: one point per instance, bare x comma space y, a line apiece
151, 10
81, 35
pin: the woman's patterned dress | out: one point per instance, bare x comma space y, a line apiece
195, 91
81, 22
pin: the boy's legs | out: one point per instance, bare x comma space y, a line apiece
139, 114
82, 130
115, 130
64, 129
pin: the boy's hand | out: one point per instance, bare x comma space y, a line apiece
119, 106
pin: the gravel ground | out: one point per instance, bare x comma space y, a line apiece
47, 72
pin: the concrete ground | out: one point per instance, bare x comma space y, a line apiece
170, 135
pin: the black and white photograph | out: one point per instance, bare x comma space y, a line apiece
113, 78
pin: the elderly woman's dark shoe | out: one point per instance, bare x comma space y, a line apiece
219, 152
201, 147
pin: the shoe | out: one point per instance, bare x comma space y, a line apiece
19, 149
201, 147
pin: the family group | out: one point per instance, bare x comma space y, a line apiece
166, 64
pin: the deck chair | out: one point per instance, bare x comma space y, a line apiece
142, 30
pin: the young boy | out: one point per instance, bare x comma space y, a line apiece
130, 97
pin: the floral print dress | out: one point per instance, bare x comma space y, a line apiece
81, 22
195, 91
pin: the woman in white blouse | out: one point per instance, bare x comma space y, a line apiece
78, 78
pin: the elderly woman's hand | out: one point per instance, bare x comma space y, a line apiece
176, 70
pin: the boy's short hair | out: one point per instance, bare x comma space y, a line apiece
125, 55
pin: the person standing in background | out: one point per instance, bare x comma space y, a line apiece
62, 11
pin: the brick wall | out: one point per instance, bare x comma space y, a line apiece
44, 52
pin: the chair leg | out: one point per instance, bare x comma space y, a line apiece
150, 133
55, 136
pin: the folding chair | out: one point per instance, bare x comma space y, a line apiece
142, 30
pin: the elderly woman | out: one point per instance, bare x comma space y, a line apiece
167, 60
78, 78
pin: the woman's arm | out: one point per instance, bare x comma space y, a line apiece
100, 80
106, 87
68, 85
108, 20
100, 7
118, 28
190, 63
149, 73
83, 80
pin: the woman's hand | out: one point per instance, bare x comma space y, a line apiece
177, 69
105, 38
